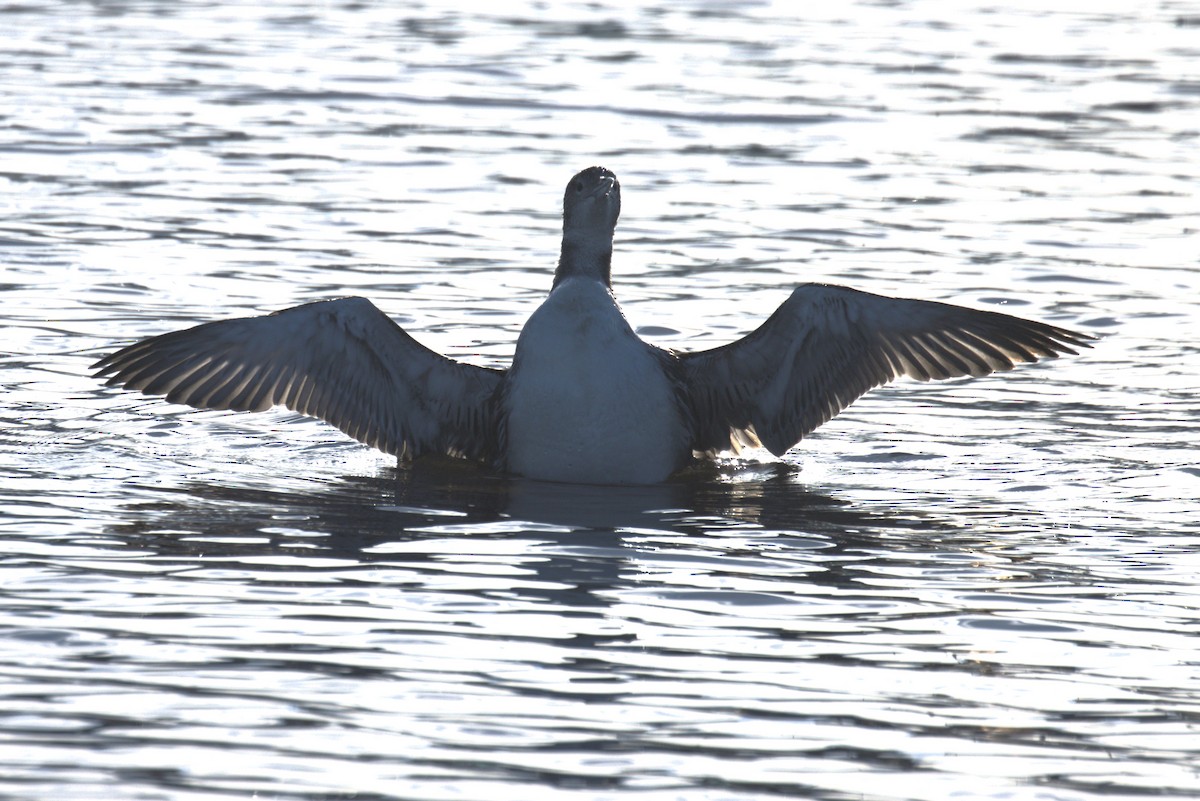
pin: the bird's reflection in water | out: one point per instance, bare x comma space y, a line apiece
583, 539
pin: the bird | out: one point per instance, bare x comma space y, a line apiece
585, 400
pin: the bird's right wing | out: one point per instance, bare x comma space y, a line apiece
342, 361
827, 345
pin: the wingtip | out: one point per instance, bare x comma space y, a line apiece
102, 365
1067, 339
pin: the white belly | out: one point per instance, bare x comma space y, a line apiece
587, 400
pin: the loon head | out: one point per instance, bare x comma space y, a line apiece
592, 203
591, 206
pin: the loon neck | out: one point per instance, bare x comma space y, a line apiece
585, 256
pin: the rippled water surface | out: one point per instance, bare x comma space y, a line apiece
976, 589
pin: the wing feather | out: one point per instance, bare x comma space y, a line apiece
827, 345
342, 361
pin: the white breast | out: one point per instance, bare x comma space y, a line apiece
587, 400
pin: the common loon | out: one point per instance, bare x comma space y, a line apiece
585, 400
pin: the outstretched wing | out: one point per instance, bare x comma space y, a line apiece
827, 345
342, 361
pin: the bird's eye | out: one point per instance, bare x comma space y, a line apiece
577, 186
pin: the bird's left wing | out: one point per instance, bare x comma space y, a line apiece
342, 361
827, 345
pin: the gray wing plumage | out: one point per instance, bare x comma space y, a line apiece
828, 345
342, 361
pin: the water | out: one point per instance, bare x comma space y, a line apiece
980, 589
